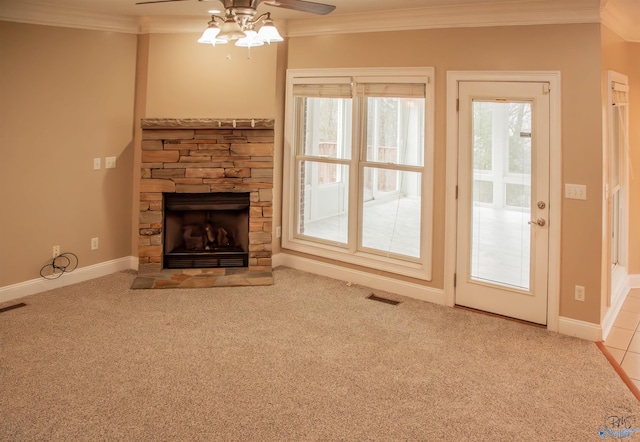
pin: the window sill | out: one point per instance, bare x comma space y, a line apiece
375, 262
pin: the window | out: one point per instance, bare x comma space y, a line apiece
617, 158
358, 167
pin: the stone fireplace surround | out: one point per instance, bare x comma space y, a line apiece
205, 156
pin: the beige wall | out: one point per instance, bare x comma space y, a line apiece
572, 49
66, 97
139, 112
191, 80
278, 158
633, 71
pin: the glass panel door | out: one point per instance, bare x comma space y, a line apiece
501, 193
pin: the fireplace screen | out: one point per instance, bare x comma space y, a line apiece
206, 230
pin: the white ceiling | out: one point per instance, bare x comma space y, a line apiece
621, 15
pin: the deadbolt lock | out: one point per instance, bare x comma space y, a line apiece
541, 205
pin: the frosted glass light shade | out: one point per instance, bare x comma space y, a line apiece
209, 36
250, 40
231, 30
269, 33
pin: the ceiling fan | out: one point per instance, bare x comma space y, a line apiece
239, 22
296, 5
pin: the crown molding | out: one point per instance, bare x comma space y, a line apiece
477, 15
618, 21
513, 13
42, 14
172, 25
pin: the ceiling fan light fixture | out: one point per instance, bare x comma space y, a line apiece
251, 40
269, 33
240, 20
210, 35
231, 30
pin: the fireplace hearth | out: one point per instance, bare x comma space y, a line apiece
205, 203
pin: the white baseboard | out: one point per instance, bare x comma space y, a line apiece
80, 274
372, 280
580, 329
618, 296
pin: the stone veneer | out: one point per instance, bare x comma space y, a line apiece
205, 156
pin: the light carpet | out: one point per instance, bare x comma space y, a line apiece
306, 359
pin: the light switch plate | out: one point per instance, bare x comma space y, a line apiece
575, 191
110, 163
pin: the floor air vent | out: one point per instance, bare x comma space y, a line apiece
11, 307
385, 300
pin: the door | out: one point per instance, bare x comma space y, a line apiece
503, 198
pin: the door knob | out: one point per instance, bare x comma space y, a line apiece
540, 222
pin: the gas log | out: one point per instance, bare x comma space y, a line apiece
207, 237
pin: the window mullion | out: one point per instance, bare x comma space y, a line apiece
356, 179
392, 166
322, 159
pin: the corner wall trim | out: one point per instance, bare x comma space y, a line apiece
580, 329
372, 280
33, 286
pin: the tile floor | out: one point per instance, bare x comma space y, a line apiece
623, 341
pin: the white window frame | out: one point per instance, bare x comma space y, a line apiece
619, 272
420, 269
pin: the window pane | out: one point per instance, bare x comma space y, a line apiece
615, 228
519, 138
325, 126
482, 134
616, 146
395, 130
483, 191
518, 195
391, 218
323, 206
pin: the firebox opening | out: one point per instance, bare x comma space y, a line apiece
206, 230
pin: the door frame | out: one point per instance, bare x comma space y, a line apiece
555, 176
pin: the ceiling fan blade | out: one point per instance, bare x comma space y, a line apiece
164, 1
302, 5
159, 1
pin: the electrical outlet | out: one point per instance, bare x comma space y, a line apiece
278, 232
56, 251
94, 243
110, 163
96, 164
579, 293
